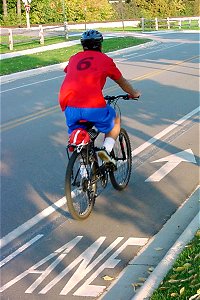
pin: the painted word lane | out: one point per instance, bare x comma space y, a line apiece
81, 266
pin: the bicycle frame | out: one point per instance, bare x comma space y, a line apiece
87, 186
111, 100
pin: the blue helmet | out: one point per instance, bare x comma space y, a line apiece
91, 40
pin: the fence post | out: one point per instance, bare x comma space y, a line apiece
179, 24
168, 23
41, 35
156, 23
10, 37
142, 24
66, 30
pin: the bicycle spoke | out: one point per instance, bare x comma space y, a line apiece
122, 154
79, 188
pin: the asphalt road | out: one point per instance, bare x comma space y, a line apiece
45, 253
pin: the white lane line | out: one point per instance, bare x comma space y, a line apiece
49, 210
164, 132
20, 250
149, 52
28, 84
112, 54
30, 223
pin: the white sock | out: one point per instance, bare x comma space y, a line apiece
108, 144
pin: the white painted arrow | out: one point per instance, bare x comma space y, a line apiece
172, 162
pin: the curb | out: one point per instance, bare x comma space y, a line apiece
32, 72
122, 287
166, 264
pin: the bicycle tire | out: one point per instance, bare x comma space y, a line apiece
79, 201
122, 154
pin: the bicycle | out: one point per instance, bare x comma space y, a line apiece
86, 176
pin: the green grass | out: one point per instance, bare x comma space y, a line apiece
183, 280
27, 62
24, 42
121, 42
4, 38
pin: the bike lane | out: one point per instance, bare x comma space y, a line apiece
74, 260
112, 219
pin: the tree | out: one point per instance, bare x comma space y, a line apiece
192, 7
19, 10
96, 10
160, 8
5, 11
196, 8
12, 12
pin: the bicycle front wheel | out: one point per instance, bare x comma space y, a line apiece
122, 154
80, 190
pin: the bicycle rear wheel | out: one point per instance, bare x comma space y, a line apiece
122, 154
80, 191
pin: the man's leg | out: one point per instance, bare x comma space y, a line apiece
116, 129
111, 136
109, 142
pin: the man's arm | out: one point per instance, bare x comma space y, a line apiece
127, 87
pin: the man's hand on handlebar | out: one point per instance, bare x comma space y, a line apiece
114, 99
136, 95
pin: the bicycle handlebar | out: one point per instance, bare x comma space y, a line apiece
124, 97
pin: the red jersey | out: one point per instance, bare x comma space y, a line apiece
85, 78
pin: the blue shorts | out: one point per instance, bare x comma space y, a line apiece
103, 118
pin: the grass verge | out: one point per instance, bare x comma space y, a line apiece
27, 62
183, 280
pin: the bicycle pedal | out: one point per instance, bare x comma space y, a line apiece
111, 167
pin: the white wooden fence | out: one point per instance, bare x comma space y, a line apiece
35, 34
146, 24
170, 23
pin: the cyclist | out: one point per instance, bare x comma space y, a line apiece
81, 95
